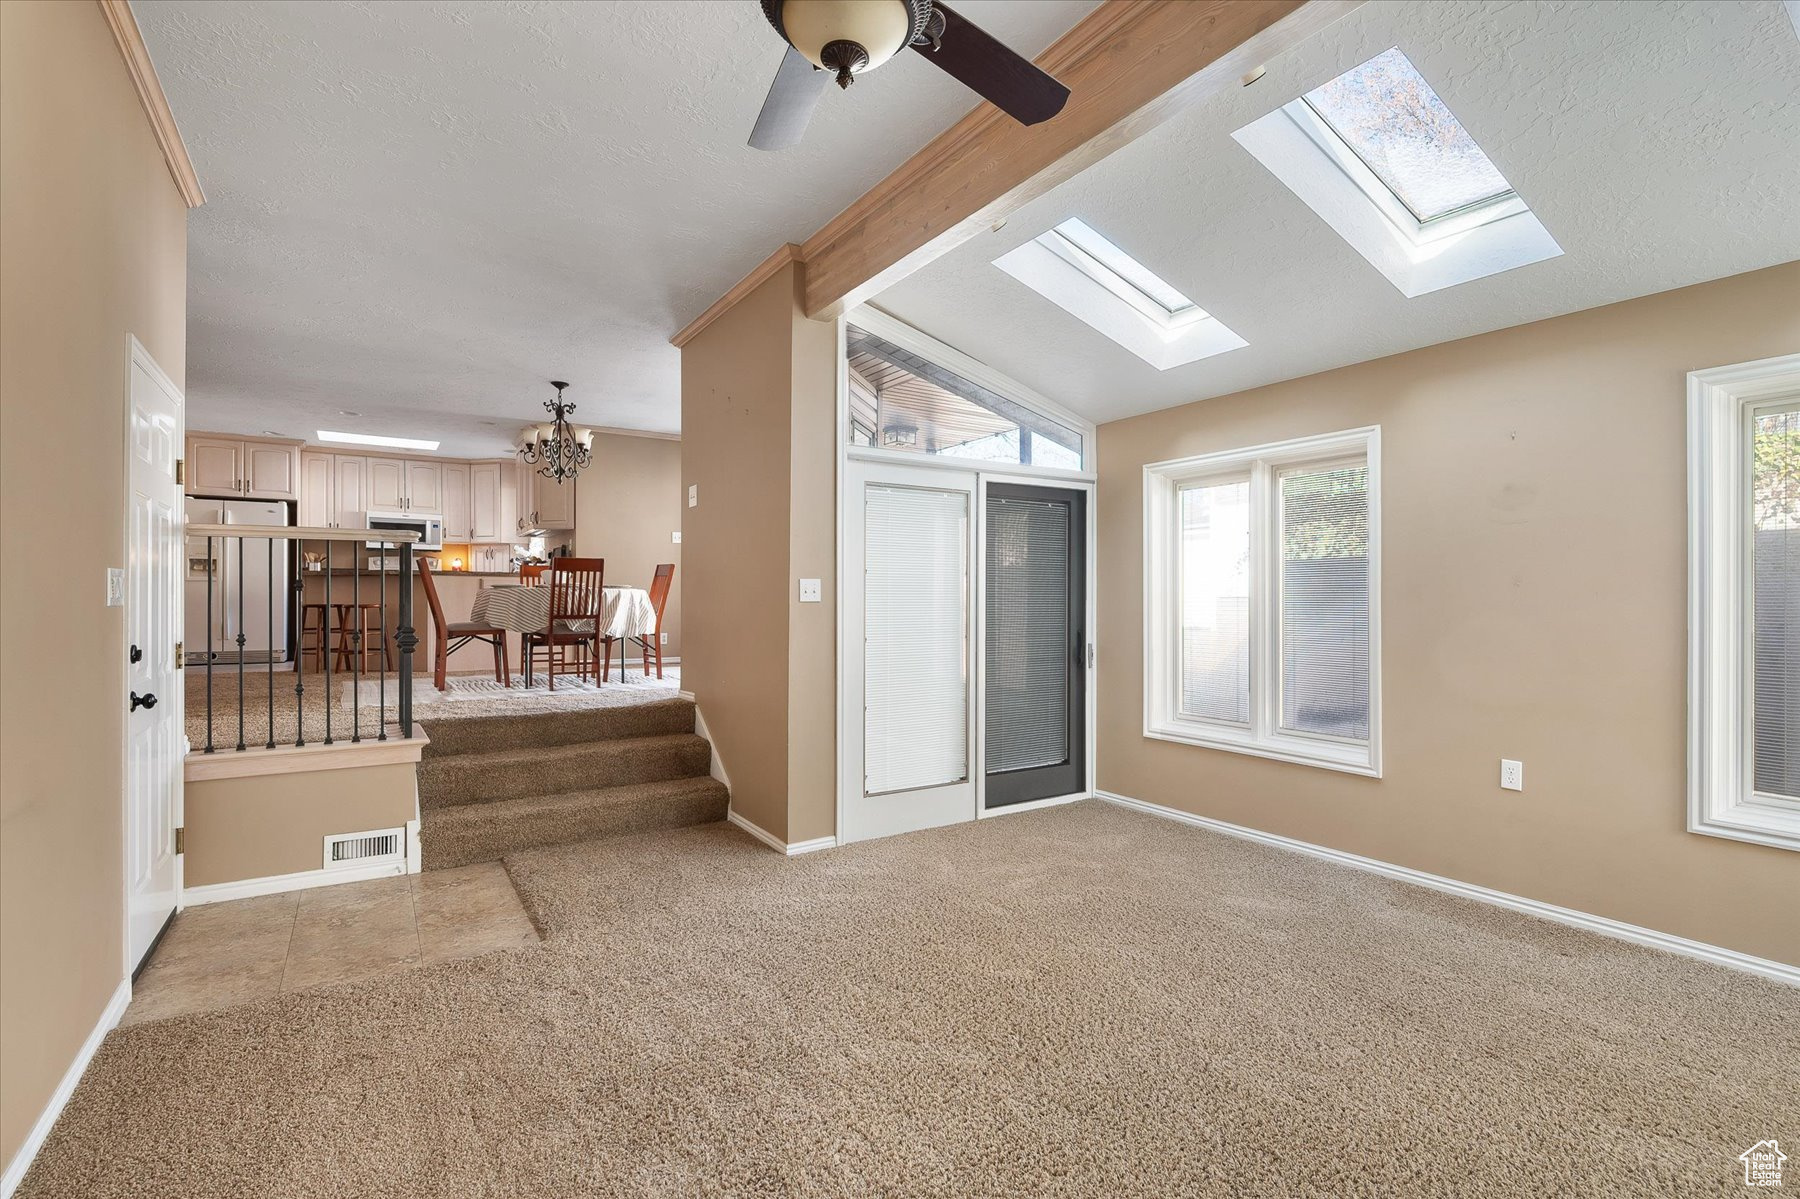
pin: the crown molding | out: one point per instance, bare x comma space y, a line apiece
130, 41
749, 283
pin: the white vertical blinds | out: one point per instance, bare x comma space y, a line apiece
916, 677
1028, 647
1774, 584
1325, 600
1215, 601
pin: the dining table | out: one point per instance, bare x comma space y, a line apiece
520, 608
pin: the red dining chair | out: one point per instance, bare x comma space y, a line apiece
448, 637
650, 642
576, 601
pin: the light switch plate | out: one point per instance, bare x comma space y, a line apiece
675, 536
1512, 775
115, 586
810, 591
693, 495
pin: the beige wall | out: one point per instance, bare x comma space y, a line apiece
93, 238
757, 422
1533, 607
269, 824
627, 506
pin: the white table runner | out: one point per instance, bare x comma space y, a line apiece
625, 611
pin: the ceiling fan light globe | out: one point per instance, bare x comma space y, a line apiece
881, 27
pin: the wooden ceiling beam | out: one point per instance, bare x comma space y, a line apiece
1130, 65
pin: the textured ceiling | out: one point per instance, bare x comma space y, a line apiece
421, 211
1658, 142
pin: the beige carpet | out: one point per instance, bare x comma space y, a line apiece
469, 696
1082, 1001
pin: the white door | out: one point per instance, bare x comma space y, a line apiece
909, 682
153, 610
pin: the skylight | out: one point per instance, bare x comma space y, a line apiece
396, 443
1393, 121
1085, 274
1110, 266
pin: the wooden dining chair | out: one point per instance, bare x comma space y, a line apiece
651, 642
576, 603
449, 637
532, 576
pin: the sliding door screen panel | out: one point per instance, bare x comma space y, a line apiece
916, 638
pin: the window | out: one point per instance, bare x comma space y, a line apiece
1744, 598
1085, 274
1262, 588
902, 401
1387, 115
1379, 156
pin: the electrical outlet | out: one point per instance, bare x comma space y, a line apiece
809, 591
115, 587
1512, 775
665, 638
693, 495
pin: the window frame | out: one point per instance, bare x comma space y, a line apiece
1263, 736
1721, 798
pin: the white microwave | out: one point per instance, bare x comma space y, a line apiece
429, 527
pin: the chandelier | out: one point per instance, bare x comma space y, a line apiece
557, 449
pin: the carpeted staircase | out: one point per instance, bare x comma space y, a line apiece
489, 785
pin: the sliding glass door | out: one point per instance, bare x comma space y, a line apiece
1035, 643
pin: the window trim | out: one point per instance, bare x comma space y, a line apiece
1264, 737
1720, 800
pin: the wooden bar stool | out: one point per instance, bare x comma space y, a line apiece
312, 620
364, 620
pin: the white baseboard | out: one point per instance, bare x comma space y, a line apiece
21, 1162
717, 767
301, 881
1780, 972
776, 843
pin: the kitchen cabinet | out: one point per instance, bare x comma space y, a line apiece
331, 490
403, 485
425, 487
316, 510
256, 470
553, 502
485, 507
456, 501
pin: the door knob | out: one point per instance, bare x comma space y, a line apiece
145, 700
137, 655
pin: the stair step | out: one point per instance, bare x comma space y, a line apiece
457, 735
485, 778
483, 832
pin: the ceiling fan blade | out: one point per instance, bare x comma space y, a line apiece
985, 65
792, 98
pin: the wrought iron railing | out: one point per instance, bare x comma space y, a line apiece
272, 567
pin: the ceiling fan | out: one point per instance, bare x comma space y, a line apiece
841, 39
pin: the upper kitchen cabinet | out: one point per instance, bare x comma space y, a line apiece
490, 502
256, 470
331, 490
553, 503
457, 517
405, 485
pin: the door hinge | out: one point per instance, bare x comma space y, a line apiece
180, 660
180, 470
180, 840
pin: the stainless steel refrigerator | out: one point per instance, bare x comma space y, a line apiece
255, 586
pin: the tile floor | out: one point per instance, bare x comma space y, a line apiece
224, 954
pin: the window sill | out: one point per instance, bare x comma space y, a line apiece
1299, 751
1752, 821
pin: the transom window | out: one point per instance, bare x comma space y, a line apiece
1396, 125
1744, 588
1263, 596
